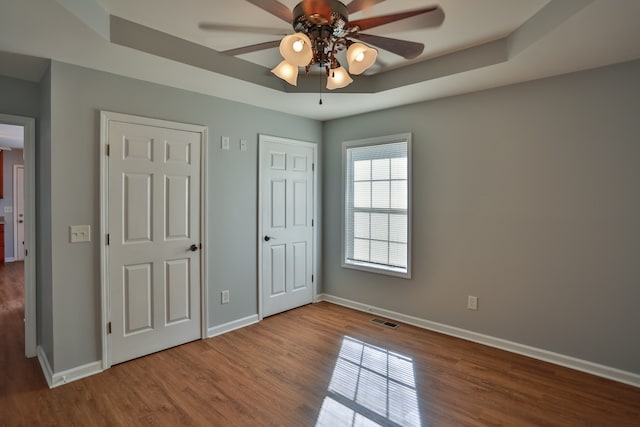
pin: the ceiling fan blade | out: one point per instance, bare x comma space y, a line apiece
252, 48
275, 8
376, 21
404, 48
358, 5
213, 26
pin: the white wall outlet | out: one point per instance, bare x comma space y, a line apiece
8, 209
243, 145
225, 297
472, 302
79, 233
225, 143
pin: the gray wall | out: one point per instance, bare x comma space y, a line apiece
9, 159
19, 97
28, 99
77, 96
44, 267
526, 196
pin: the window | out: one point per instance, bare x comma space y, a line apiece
377, 205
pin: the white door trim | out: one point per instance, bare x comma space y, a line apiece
16, 243
30, 325
315, 244
105, 118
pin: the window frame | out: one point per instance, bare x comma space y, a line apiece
369, 266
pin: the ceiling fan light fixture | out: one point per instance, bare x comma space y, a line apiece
338, 78
287, 72
296, 49
360, 57
322, 32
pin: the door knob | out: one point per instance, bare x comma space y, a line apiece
267, 238
193, 248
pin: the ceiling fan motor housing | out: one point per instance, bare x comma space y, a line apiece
321, 13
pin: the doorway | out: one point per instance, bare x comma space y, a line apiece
23, 128
18, 212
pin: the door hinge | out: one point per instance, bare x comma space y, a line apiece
313, 167
107, 149
312, 223
26, 252
109, 327
312, 278
108, 239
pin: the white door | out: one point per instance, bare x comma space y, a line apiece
154, 231
18, 179
287, 206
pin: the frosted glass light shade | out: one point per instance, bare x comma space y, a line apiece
287, 72
338, 77
360, 57
296, 49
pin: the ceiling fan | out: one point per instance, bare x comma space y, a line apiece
322, 30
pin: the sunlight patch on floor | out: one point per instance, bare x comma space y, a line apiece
370, 386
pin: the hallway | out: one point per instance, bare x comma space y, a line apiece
18, 375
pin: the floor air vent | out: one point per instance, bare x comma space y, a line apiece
385, 323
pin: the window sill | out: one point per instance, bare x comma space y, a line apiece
378, 269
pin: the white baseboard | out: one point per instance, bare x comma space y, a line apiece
73, 374
236, 324
525, 350
45, 366
9, 259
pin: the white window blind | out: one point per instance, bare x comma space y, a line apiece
377, 204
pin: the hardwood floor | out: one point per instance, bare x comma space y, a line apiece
306, 367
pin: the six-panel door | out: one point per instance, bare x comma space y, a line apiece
287, 213
154, 219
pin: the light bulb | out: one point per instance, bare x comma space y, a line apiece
360, 57
338, 78
296, 49
287, 72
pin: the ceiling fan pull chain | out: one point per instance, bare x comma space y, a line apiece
320, 92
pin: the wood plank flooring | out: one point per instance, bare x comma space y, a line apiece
320, 365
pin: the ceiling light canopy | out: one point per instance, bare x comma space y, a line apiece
321, 33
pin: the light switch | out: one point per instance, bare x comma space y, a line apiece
243, 145
79, 233
225, 143
8, 209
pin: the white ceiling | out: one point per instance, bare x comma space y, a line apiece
532, 39
467, 23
